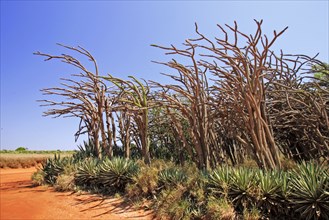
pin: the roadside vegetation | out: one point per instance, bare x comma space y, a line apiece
300, 191
23, 158
241, 133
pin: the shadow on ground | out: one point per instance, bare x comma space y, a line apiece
105, 205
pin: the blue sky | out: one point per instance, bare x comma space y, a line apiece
119, 34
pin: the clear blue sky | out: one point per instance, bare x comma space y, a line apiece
119, 34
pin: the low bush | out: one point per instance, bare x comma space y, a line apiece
115, 174
87, 174
184, 192
220, 209
243, 188
252, 214
309, 191
21, 149
172, 177
64, 183
145, 183
219, 181
10, 163
53, 167
38, 178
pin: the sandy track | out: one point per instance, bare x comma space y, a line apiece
20, 200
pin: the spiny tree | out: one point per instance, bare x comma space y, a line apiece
125, 130
134, 99
169, 138
238, 97
257, 103
299, 109
190, 100
83, 96
242, 74
245, 78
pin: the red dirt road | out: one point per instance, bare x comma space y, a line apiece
20, 200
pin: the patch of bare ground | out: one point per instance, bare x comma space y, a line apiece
20, 200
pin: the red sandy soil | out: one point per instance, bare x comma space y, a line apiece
20, 200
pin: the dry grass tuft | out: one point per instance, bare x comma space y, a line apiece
22, 160
64, 183
220, 209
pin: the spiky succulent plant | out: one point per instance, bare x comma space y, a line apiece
171, 177
243, 190
54, 167
219, 181
271, 191
86, 150
114, 174
87, 173
310, 191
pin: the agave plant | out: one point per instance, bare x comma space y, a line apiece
309, 191
182, 196
87, 172
87, 150
219, 181
54, 167
116, 173
145, 183
171, 177
243, 190
272, 190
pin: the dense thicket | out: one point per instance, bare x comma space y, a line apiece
232, 99
184, 192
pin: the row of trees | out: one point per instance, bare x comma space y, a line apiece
234, 98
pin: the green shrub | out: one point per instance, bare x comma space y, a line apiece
87, 150
145, 183
243, 188
167, 205
53, 167
272, 191
181, 202
220, 209
177, 192
183, 193
38, 178
115, 174
251, 214
21, 149
219, 181
172, 177
87, 173
310, 191
64, 183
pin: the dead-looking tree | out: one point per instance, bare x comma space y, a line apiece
238, 94
134, 101
242, 75
87, 97
256, 103
298, 108
189, 99
83, 96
